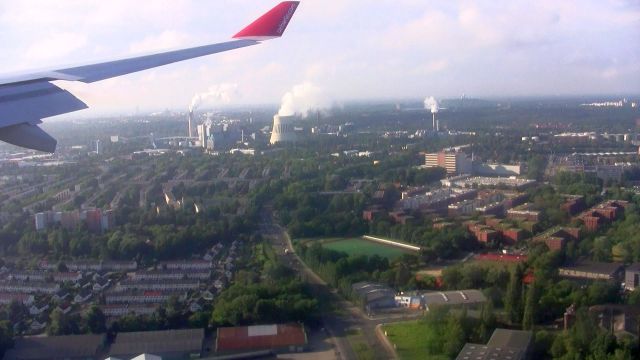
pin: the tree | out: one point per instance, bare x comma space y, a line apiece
454, 336
95, 320
6, 337
487, 320
513, 296
531, 307
61, 324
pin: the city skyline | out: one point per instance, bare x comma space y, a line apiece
353, 50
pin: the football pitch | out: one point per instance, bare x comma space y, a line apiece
357, 246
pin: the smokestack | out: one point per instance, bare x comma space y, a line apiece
190, 119
434, 120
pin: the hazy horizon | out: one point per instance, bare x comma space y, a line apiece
353, 51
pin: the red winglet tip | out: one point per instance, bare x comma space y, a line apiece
270, 25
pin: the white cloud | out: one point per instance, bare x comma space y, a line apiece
54, 47
351, 49
166, 40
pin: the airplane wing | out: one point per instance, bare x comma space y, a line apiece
28, 98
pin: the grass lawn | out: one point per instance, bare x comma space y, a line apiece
406, 336
357, 246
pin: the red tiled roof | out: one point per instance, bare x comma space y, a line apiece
264, 337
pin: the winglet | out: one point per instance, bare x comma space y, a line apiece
270, 25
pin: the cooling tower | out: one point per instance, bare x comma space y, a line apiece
282, 130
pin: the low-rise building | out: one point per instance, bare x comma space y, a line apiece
175, 274
374, 295
618, 319
27, 276
592, 271
72, 276
557, 237
632, 277
82, 296
186, 265
30, 287
168, 344
72, 347
503, 344
23, 298
524, 212
119, 310
140, 296
163, 285
38, 308
277, 338
462, 298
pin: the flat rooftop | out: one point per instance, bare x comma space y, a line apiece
259, 337
158, 342
457, 297
56, 347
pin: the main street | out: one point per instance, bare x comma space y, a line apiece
337, 323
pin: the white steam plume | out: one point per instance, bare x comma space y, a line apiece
432, 104
303, 99
220, 93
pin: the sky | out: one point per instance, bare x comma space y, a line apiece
352, 50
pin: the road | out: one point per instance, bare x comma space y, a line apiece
336, 323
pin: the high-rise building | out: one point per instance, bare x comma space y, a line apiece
282, 130
453, 162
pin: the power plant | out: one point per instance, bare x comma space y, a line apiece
282, 130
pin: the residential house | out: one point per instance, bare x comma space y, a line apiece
64, 307
38, 308
83, 296
6, 298
61, 295
38, 324
101, 284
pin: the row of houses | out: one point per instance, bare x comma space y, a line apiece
174, 274
138, 291
39, 275
90, 265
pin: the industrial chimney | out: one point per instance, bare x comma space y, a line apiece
190, 119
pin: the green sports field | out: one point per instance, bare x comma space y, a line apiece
357, 246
